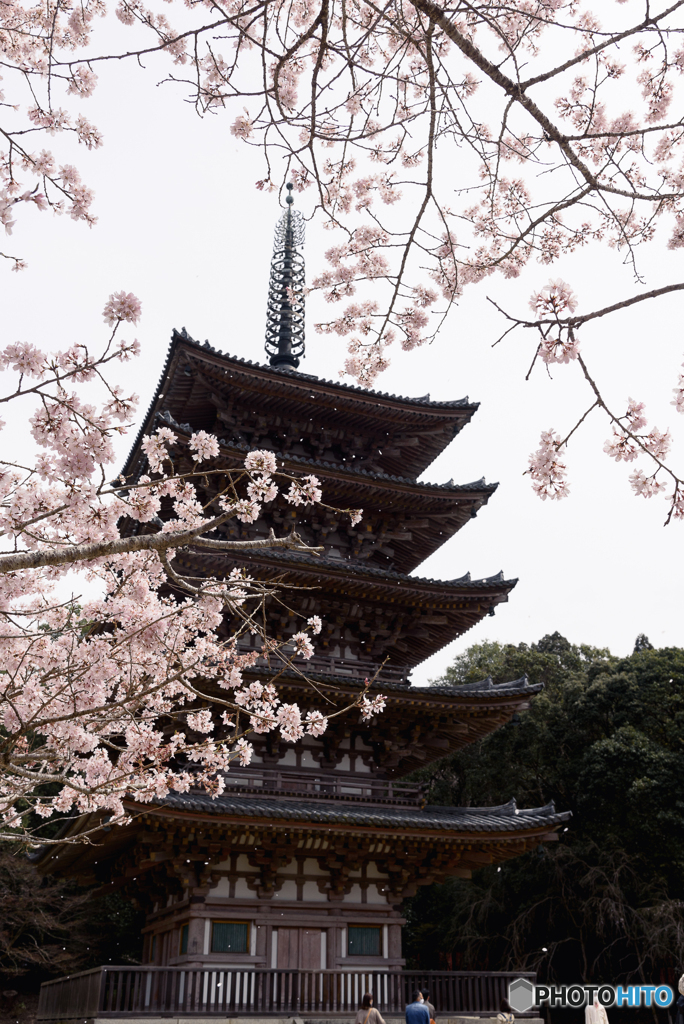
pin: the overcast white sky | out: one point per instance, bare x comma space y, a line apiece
182, 226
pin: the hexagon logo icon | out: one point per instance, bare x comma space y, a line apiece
521, 995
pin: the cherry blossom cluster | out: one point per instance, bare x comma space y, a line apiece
558, 343
547, 469
439, 145
629, 441
133, 692
364, 104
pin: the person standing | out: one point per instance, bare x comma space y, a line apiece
417, 1012
431, 1009
368, 1014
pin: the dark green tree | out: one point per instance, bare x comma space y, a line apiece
605, 739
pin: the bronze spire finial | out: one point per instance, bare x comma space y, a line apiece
285, 309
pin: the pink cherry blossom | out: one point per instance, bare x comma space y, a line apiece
371, 708
306, 491
547, 469
658, 443
679, 394
261, 460
204, 445
621, 448
289, 719
303, 645
645, 486
262, 488
122, 307
559, 350
201, 721
316, 723
154, 446
315, 624
75, 690
241, 128
554, 299
635, 416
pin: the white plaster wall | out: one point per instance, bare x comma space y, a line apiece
345, 764
308, 760
289, 758
243, 863
242, 890
223, 887
288, 890
311, 892
311, 867
372, 871
373, 896
355, 895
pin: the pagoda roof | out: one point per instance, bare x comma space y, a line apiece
463, 602
486, 691
383, 496
444, 841
505, 818
362, 572
352, 473
461, 403
449, 718
369, 409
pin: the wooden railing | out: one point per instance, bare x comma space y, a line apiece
229, 992
323, 786
353, 669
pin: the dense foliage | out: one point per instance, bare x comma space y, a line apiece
51, 926
605, 740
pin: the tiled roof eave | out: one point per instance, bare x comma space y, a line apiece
361, 571
338, 387
430, 819
480, 487
183, 339
494, 695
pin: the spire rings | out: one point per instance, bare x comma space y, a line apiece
285, 306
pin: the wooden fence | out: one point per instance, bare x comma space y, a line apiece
234, 992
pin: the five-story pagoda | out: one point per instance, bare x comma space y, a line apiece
304, 860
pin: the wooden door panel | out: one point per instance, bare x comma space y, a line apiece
288, 948
311, 949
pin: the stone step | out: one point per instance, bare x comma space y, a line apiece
305, 1019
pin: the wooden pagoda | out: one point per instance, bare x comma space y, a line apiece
304, 861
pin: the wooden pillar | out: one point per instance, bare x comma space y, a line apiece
394, 940
196, 937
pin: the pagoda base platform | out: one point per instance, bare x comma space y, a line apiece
349, 1019
179, 994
